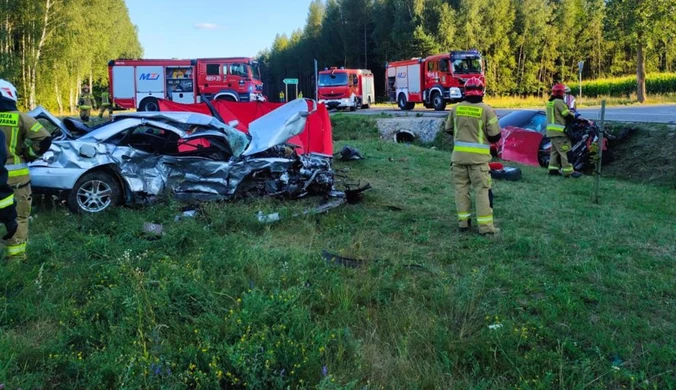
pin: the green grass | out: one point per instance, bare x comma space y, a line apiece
580, 295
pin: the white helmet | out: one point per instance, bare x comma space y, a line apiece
567, 89
7, 90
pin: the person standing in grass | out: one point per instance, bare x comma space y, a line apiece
105, 104
558, 114
86, 103
474, 126
25, 140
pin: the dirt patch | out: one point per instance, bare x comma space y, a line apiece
645, 156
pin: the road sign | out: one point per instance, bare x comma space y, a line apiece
290, 81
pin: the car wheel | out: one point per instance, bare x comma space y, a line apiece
93, 193
438, 102
544, 152
149, 104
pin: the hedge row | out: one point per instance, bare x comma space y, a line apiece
656, 83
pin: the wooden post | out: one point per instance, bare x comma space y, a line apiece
597, 179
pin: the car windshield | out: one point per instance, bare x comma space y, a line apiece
467, 65
332, 80
529, 120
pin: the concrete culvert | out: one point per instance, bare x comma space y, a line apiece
404, 137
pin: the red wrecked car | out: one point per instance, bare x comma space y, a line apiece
524, 140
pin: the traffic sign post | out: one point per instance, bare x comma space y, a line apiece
286, 85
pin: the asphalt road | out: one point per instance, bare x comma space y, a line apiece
650, 113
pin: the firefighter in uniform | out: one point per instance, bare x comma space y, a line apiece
105, 104
86, 103
473, 126
25, 140
7, 203
300, 95
558, 114
281, 96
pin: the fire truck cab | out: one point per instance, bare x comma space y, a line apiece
433, 81
140, 83
346, 88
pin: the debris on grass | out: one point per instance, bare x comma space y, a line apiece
153, 231
348, 153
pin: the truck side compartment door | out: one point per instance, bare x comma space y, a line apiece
149, 82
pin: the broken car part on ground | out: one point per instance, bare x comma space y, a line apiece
137, 157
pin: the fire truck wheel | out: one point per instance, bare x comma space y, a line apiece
438, 102
367, 105
149, 104
403, 104
355, 105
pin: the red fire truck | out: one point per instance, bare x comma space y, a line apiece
433, 81
139, 83
346, 88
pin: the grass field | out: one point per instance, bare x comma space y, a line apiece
572, 296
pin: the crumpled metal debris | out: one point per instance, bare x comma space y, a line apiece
153, 230
322, 208
348, 153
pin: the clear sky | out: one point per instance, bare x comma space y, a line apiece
213, 28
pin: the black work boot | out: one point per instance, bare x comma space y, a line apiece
575, 175
466, 229
554, 172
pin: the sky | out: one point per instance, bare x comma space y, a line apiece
213, 28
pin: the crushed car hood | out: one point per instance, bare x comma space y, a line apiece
278, 126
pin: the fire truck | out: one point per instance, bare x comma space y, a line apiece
139, 83
346, 88
433, 81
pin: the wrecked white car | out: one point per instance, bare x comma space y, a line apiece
138, 157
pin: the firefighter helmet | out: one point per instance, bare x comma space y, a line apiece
558, 90
474, 87
85, 88
7, 91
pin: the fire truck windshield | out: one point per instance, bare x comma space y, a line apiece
467, 65
256, 71
332, 80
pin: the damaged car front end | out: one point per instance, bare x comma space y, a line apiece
138, 157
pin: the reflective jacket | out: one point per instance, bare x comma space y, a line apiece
105, 99
7, 204
24, 138
557, 111
86, 102
474, 126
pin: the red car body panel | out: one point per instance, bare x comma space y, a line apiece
316, 138
519, 145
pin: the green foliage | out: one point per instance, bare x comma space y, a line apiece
353, 127
560, 301
656, 83
69, 42
528, 44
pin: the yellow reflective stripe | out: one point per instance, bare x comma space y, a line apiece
485, 220
565, 112
566, 170
472, 150
464, 216
19, 172
556, 127
31, 152
8, 201
493, 121
36, 127
12, 144
550, 112
9, 119
481, 132
85, 107
14, 250
470, 111
455, 126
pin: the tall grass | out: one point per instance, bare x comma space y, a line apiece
572, 296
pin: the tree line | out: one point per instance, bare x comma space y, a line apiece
528, 44
50, 48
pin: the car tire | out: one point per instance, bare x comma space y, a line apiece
507, 173
149, 104
438, 102
94, 192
